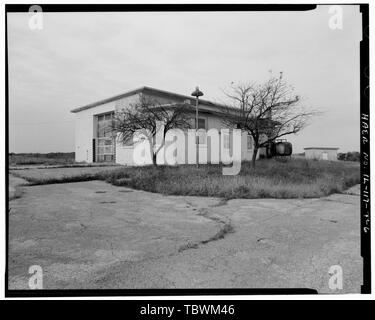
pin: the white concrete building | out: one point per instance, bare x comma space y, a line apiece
94, 141
321, 153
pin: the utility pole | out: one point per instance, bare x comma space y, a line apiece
197, 94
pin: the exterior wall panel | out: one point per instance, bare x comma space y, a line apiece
318, 154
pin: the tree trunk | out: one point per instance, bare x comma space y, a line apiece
154, 159
253, 160
155, 154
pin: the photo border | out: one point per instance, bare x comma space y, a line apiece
364, 148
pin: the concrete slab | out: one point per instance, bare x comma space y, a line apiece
95, 235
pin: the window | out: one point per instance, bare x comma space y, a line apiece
105, 158
201, 123
105, 148
104, 127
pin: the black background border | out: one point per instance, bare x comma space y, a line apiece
364, 147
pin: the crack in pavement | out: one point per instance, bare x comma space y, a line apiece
329, 220
225, 227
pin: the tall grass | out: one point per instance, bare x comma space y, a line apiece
295, 178
270, 179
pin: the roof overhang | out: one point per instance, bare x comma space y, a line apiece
149, 90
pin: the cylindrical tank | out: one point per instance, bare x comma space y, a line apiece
283, 148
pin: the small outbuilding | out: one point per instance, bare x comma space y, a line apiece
321, 153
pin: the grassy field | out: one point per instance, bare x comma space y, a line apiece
270, 179
296, 178
54, 158
67, 174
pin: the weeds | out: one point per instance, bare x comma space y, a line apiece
270, 179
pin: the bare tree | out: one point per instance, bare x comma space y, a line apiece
267, 111
145, 117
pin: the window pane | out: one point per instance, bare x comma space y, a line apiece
101, 133
201, 123
108, 158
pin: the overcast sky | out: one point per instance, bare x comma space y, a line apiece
79, 58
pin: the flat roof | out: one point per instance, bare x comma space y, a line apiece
143, 89
321, 148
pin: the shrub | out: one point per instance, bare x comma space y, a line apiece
349, 156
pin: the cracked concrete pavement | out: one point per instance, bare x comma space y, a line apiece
92, 235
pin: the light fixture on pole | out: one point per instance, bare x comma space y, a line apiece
197, 94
